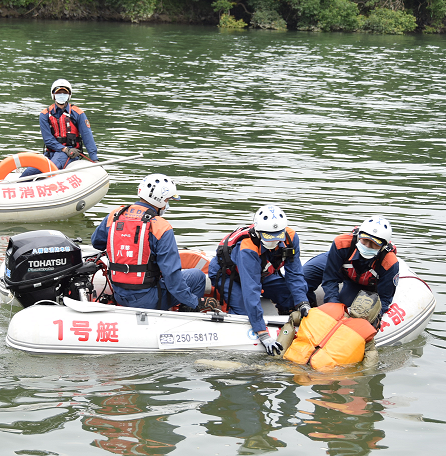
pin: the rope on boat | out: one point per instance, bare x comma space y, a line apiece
416, 277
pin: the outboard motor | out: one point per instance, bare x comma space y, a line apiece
45, 265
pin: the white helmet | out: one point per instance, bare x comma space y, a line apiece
156, 188
61, 83
376, 228
270, 218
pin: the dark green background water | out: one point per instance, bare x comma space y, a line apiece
332, 127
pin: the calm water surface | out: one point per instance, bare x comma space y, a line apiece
332, 128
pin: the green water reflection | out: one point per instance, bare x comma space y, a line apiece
331, 127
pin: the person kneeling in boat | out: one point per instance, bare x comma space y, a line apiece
334, 335
247, 266
65, 128
144, 263
362, 260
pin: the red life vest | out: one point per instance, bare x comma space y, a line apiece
132, 264
268, 267
64, 129
226, 245
368, 279
327, 338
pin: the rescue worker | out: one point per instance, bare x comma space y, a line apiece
65, 129
144, 263
247, 266
332, 335
362, 260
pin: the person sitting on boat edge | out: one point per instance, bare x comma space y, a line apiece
144, 263
64, 128
362, 260
248, 261
334, 335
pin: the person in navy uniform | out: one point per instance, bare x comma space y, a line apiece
65, 129
362, 260
248, 265
144, 263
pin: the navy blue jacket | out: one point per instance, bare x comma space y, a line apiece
248, 263
83, 125
167, 257
338, 255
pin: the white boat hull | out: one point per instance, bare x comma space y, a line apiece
100, 328
53, 198
59, 329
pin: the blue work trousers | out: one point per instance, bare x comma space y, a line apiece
313, 272
274, 288
60, 159
148, 299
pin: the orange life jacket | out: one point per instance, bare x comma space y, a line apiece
327, 338
64, 130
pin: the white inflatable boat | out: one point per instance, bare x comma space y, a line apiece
83, 327
56, 196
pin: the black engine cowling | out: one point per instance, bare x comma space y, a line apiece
38, 263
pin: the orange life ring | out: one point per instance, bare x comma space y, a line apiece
194, 259
23, 160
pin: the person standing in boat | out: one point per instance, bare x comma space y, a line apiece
144, 263
247, 266
362, 260
65, 129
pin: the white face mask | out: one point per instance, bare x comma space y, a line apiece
366, 252
270, 245
163, 211
61, 98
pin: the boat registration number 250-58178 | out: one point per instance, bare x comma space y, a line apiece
188, 339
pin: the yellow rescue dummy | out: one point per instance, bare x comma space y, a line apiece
332, 335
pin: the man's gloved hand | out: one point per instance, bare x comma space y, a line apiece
204, 305
207, 304
304, 307
72, 152
270, 344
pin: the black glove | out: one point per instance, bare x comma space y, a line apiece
184, 308
304, 308
72, 152
204, 305
377, 322
270, 344
207, 304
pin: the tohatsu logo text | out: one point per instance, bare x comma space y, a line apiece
45, 263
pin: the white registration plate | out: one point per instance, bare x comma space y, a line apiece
188, 339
